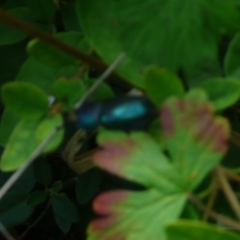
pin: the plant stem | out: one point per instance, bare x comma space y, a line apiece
31, 30
220, 218
36, 221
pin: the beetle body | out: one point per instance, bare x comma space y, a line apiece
124, 113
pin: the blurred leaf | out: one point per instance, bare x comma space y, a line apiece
20, 145
12, 35
52, 56
10, 200
11, 59
16, 215
102, 92
196, 140
64, 211
194, 230
57, 186
87, 185
42, 10
222, 92
8, 122
24, 184
68, 91
170, 34
232, 59
69, 16
47, 126
34, 72
161, 84
121, 209
25, 100
36, 198
43, 172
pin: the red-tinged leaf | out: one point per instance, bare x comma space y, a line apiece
134, 214
196, 139
136, 157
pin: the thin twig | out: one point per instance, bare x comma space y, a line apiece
36, 221
33, 31
210, 203
231, 197
100, 80
220, 218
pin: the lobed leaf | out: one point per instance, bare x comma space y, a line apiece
136, 157
134, 215
195, 139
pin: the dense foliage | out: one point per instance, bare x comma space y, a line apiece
178, 179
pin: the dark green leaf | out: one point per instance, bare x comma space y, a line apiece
42, 10
10, 35
172, 34
52, 56
36, 198
16, 215
222, 92
57, 186
43, 172
64, 211
161, 84
232, 60
87, 185
25, 100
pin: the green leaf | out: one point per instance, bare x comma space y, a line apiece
222, 92
36, 198
11, 35
87, 185
171, 34
161, 84
68, 91
11, 58
65, 212
25, 100
42, 10
48, 125
8, 122
35, 72
193, 230
57, 186
232, 60
195, 139
43, 171
121, 153
102, 92
52, 56
16, 215
20, 145
146, 212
